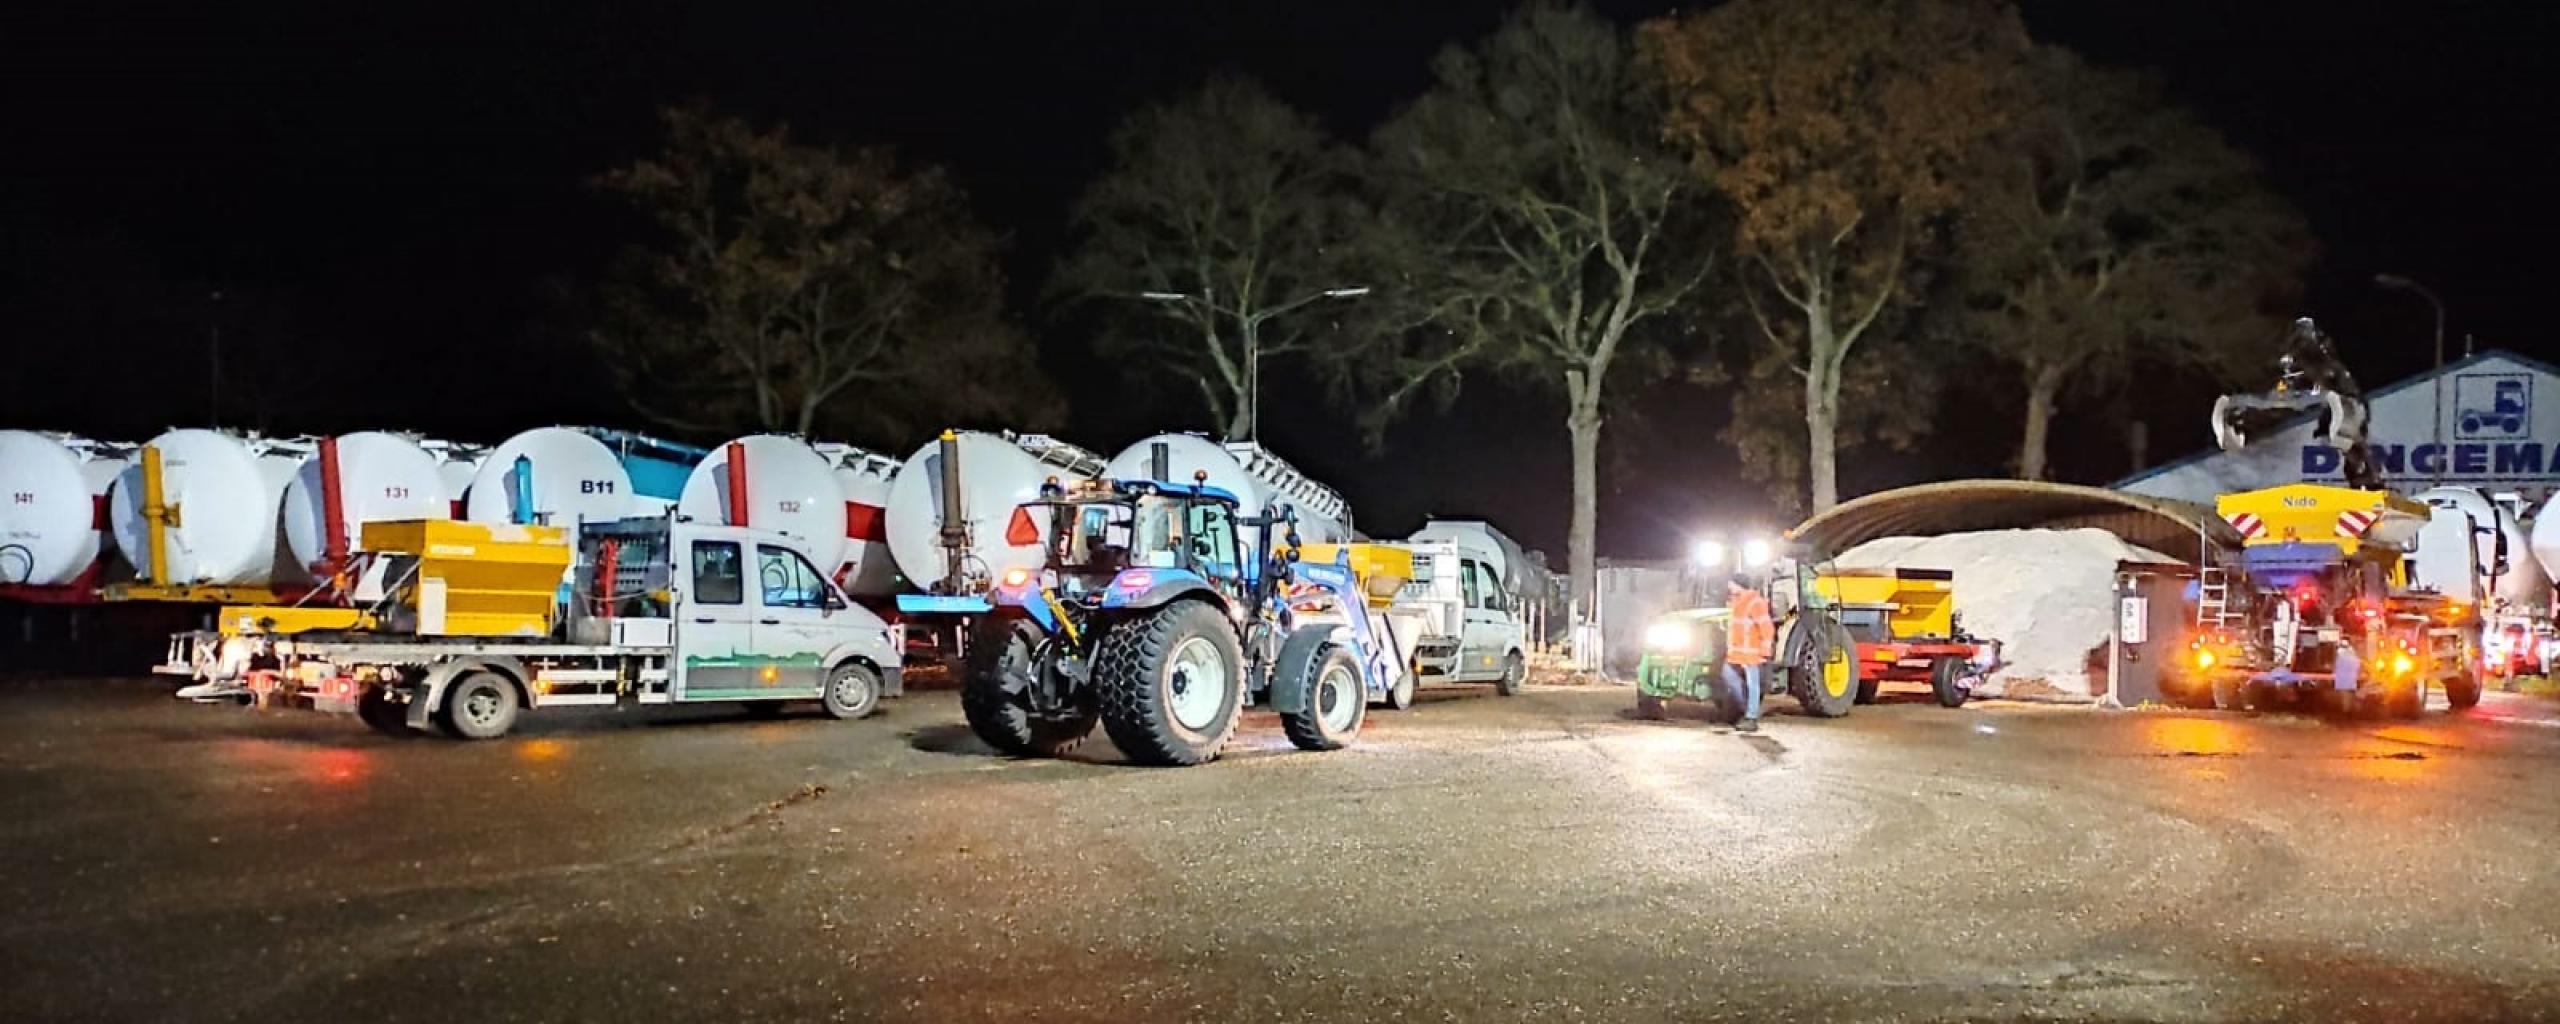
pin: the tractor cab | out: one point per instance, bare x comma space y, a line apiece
1112, 542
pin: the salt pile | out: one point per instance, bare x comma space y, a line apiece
2048, 596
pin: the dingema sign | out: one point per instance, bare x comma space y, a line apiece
2490, 421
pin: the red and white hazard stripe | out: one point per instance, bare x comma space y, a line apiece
2353, 524
2248, 525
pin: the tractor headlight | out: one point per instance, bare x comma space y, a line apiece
1669, 637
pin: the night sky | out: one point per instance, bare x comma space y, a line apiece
390, 201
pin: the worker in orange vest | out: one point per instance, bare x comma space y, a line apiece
1751, 639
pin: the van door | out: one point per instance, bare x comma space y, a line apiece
794, 627
715, 648
1471, 633
1499, 621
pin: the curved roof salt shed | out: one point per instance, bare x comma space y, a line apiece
2180, 528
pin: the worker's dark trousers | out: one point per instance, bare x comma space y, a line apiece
1749, 677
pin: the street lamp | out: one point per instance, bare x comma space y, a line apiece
2398, 283
1252, 327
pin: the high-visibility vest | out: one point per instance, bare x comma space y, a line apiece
1751, 636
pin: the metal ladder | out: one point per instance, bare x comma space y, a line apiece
2213, 599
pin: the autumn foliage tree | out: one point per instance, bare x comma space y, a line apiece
2111, 232
1838, 131
1530, 222
807, 288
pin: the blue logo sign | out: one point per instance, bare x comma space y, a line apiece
2492, 405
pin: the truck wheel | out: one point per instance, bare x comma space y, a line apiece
853, 691
1514, 672
479, 706
1821, 673
386, 716
1400, 696
2462, 690
995, 696
1329, 680
1867, 690
2405, 702
1947, 682
1171, 684
2229, 693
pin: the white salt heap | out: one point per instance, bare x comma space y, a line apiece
2048, 596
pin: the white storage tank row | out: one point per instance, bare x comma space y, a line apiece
248, 511
833, 497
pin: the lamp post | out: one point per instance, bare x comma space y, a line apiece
1251, 325
2398, 283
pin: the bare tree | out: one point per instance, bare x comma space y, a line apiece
787, 279
1529, 222
1208, 232
1837, 129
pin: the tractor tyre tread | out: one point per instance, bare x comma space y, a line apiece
1129, 662
1303, 657
1812, 639
999, 714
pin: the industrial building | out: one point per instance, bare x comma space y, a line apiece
2471, 423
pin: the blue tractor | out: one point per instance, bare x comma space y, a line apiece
1151, 616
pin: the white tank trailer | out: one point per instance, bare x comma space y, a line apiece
456, 464
225, 491
353, 479
2495, 535
1488, 545
828, 495
1258, 479
564, 476
952, 502
53, 499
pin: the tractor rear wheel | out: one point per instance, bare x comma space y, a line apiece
995, 695
1171, 684
1325, 680
1822, 672
1947, 682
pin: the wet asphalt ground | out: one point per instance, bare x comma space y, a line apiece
1543, 857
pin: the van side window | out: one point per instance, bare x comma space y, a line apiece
1467, 583
718, 573
1491, 588
788, 580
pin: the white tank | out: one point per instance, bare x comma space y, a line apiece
1479, 540
790, 488
381, 477
51, 489
996, 475
2525, 584
869, 570
1256, 477
575, 478
227, 490
456, 463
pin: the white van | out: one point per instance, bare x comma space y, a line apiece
1466, 618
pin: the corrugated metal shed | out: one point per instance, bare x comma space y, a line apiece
2183, 529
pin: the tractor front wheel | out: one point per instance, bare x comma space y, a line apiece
1822, 670
1171, 684
1324, 680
